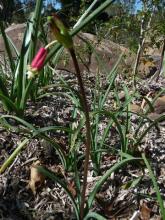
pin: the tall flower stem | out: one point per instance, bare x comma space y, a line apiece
87, 124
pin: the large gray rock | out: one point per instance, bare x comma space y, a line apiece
15, 32
103, 57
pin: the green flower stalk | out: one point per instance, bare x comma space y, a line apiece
62, 36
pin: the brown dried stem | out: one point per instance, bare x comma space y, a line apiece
84, 103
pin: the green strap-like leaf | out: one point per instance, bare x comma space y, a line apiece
3, 87
102, 180
159, 198
39, 132
35, 28
63, 185
155, 122
94, 215
9, 104
13, 155
7, 47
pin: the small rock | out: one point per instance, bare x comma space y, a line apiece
160, 105
135, 108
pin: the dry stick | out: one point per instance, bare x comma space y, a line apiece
140, 47
84, 103
161, 61
141, 44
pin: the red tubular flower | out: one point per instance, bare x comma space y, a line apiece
37, 63
39, 59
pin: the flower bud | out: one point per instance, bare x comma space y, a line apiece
60, 31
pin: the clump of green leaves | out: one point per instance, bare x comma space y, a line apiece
14, 99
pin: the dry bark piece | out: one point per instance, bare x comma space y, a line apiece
153, 116
145, 212
36, 178
160, 105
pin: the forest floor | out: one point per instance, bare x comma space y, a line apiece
118, 199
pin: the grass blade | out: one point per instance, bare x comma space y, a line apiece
76, 131
13, 155
9, 104
26, 124
155, 122
147, 111
18, 87
105, 177
51, 128
159, 198
35, 28
63, 185
95, 216
118, 125
150, 104
7, 47
13, 46
39, 133
3, 88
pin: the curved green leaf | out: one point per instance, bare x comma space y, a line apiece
7, 47
38, 132
102, 180
55, 178
156, 187
9, 104
95, 216
13, 155
155, 122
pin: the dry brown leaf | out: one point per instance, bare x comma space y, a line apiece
36, 178
145, 212
71, 188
